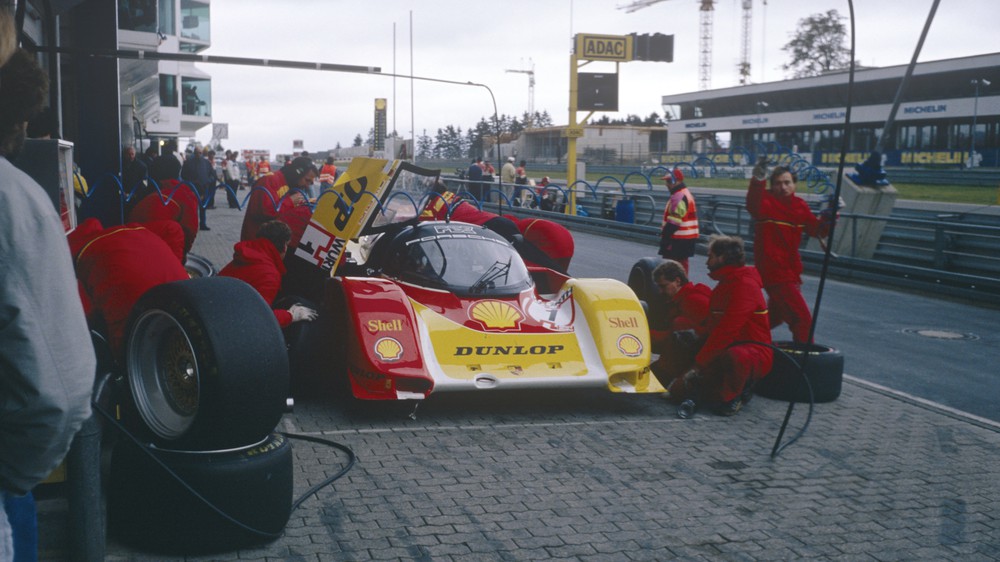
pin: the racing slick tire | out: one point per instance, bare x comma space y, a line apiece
640, 280
149, 508
206, 365
823, 366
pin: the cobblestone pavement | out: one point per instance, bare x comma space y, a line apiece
588, 475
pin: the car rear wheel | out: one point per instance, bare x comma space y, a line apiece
640, 280
206, 365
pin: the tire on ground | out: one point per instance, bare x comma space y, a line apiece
198, 266
823, 366
149, 509
640, 280
206, 364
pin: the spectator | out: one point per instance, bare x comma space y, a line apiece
327, 175
488, 169
196, 171
780, 218
148, 156
133, 178
508, 174
233, 178
260, 263
47, 360
678, 335
174, 201
679, 233
115, 266
263, 167
729, 362
213, 178
251, 165
475, 178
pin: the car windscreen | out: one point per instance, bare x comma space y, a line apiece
464, 264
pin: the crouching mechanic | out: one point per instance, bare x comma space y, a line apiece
738, 351
683, 325
260, 263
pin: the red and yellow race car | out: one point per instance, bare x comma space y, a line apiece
440, 306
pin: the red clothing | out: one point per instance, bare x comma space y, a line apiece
737, 313
786, 304
262, 208
691, 305
115, 266
463, 211
688, 311
172, 203
780, 222
549, 237
258, 263
327, 174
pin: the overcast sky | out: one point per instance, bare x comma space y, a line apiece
470, 40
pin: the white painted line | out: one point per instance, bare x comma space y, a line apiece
923, 401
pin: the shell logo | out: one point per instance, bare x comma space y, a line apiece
496, 315
388, 349
629, 345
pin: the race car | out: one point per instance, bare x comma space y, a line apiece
439, 306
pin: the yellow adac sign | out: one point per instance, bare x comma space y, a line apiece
342, 212
604, 47
572, 132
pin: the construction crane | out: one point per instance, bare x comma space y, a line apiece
707, 10
531, 86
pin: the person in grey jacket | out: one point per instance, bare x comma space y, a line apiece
47, 360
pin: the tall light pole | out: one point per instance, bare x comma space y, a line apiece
975, 111
760, 106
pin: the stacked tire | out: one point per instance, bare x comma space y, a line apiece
207, 382
822, 366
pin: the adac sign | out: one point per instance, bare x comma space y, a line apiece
604, 47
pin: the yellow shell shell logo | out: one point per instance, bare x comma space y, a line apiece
388, 349
629, 345
496, 315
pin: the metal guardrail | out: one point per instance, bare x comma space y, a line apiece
940, 256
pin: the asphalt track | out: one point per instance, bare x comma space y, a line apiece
944, 351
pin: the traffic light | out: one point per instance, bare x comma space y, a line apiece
656, 47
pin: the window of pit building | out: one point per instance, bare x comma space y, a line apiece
168, 18
196, 96
137, 15
168, 90
195, 22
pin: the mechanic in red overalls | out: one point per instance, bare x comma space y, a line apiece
260, 263
780, 218
552, 238
115, 266
174, 202
726, 369
685, 326
267, 204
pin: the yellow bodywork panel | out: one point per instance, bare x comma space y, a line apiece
618, 326
463, 353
